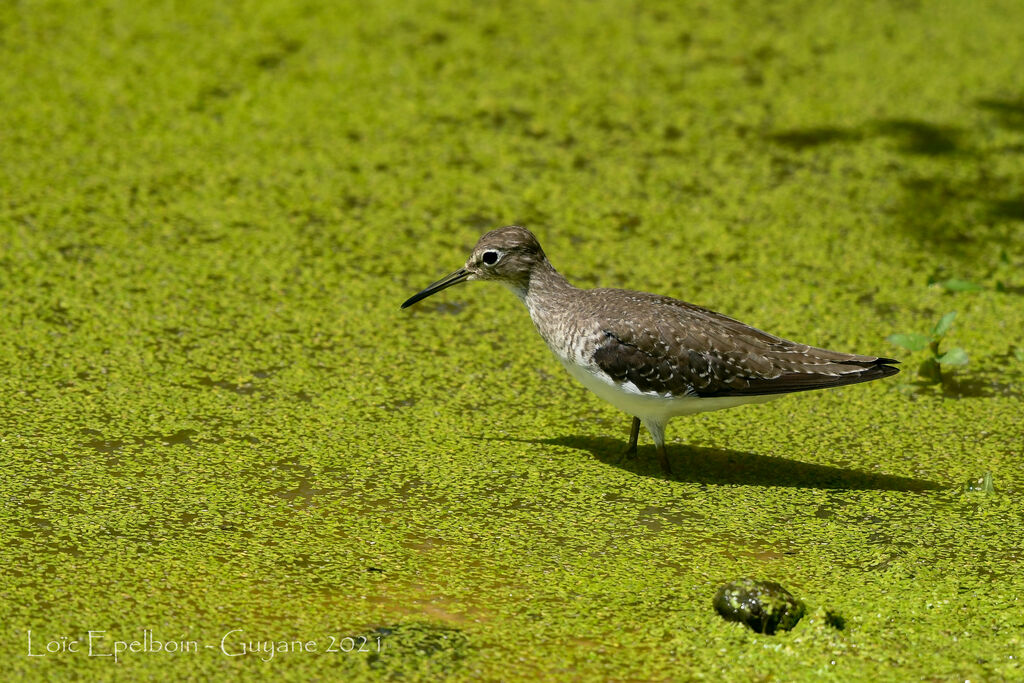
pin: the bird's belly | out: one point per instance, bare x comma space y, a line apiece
629, 399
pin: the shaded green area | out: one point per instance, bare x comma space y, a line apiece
214, 416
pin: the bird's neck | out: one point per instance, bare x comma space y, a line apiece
543, 288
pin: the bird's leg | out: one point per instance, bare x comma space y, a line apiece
657, 430
634, 435
666, 468
630, 451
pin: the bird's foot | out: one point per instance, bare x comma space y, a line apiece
628, 454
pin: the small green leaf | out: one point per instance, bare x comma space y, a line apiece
982, 484
955, 284
911, 342
955, 356
1018, 353
942, 327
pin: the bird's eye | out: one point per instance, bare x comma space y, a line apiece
489, 258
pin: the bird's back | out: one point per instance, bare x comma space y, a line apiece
670, 347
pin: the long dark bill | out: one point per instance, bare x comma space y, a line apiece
444, 283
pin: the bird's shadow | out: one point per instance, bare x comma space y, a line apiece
701, 465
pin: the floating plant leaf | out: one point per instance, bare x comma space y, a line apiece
911, 342
942, 327
955, 356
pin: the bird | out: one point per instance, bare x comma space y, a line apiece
652, 356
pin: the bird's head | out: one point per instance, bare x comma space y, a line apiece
506, 255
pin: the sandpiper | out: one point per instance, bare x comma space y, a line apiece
653, 356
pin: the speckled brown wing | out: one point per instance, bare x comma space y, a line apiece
671, 347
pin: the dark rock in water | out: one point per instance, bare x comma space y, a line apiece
764, 606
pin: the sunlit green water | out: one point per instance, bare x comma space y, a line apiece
214, 416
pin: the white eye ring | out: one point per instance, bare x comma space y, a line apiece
490, 257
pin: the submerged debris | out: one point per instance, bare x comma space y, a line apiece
982, 484
834, 620
764, 606
414, 650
